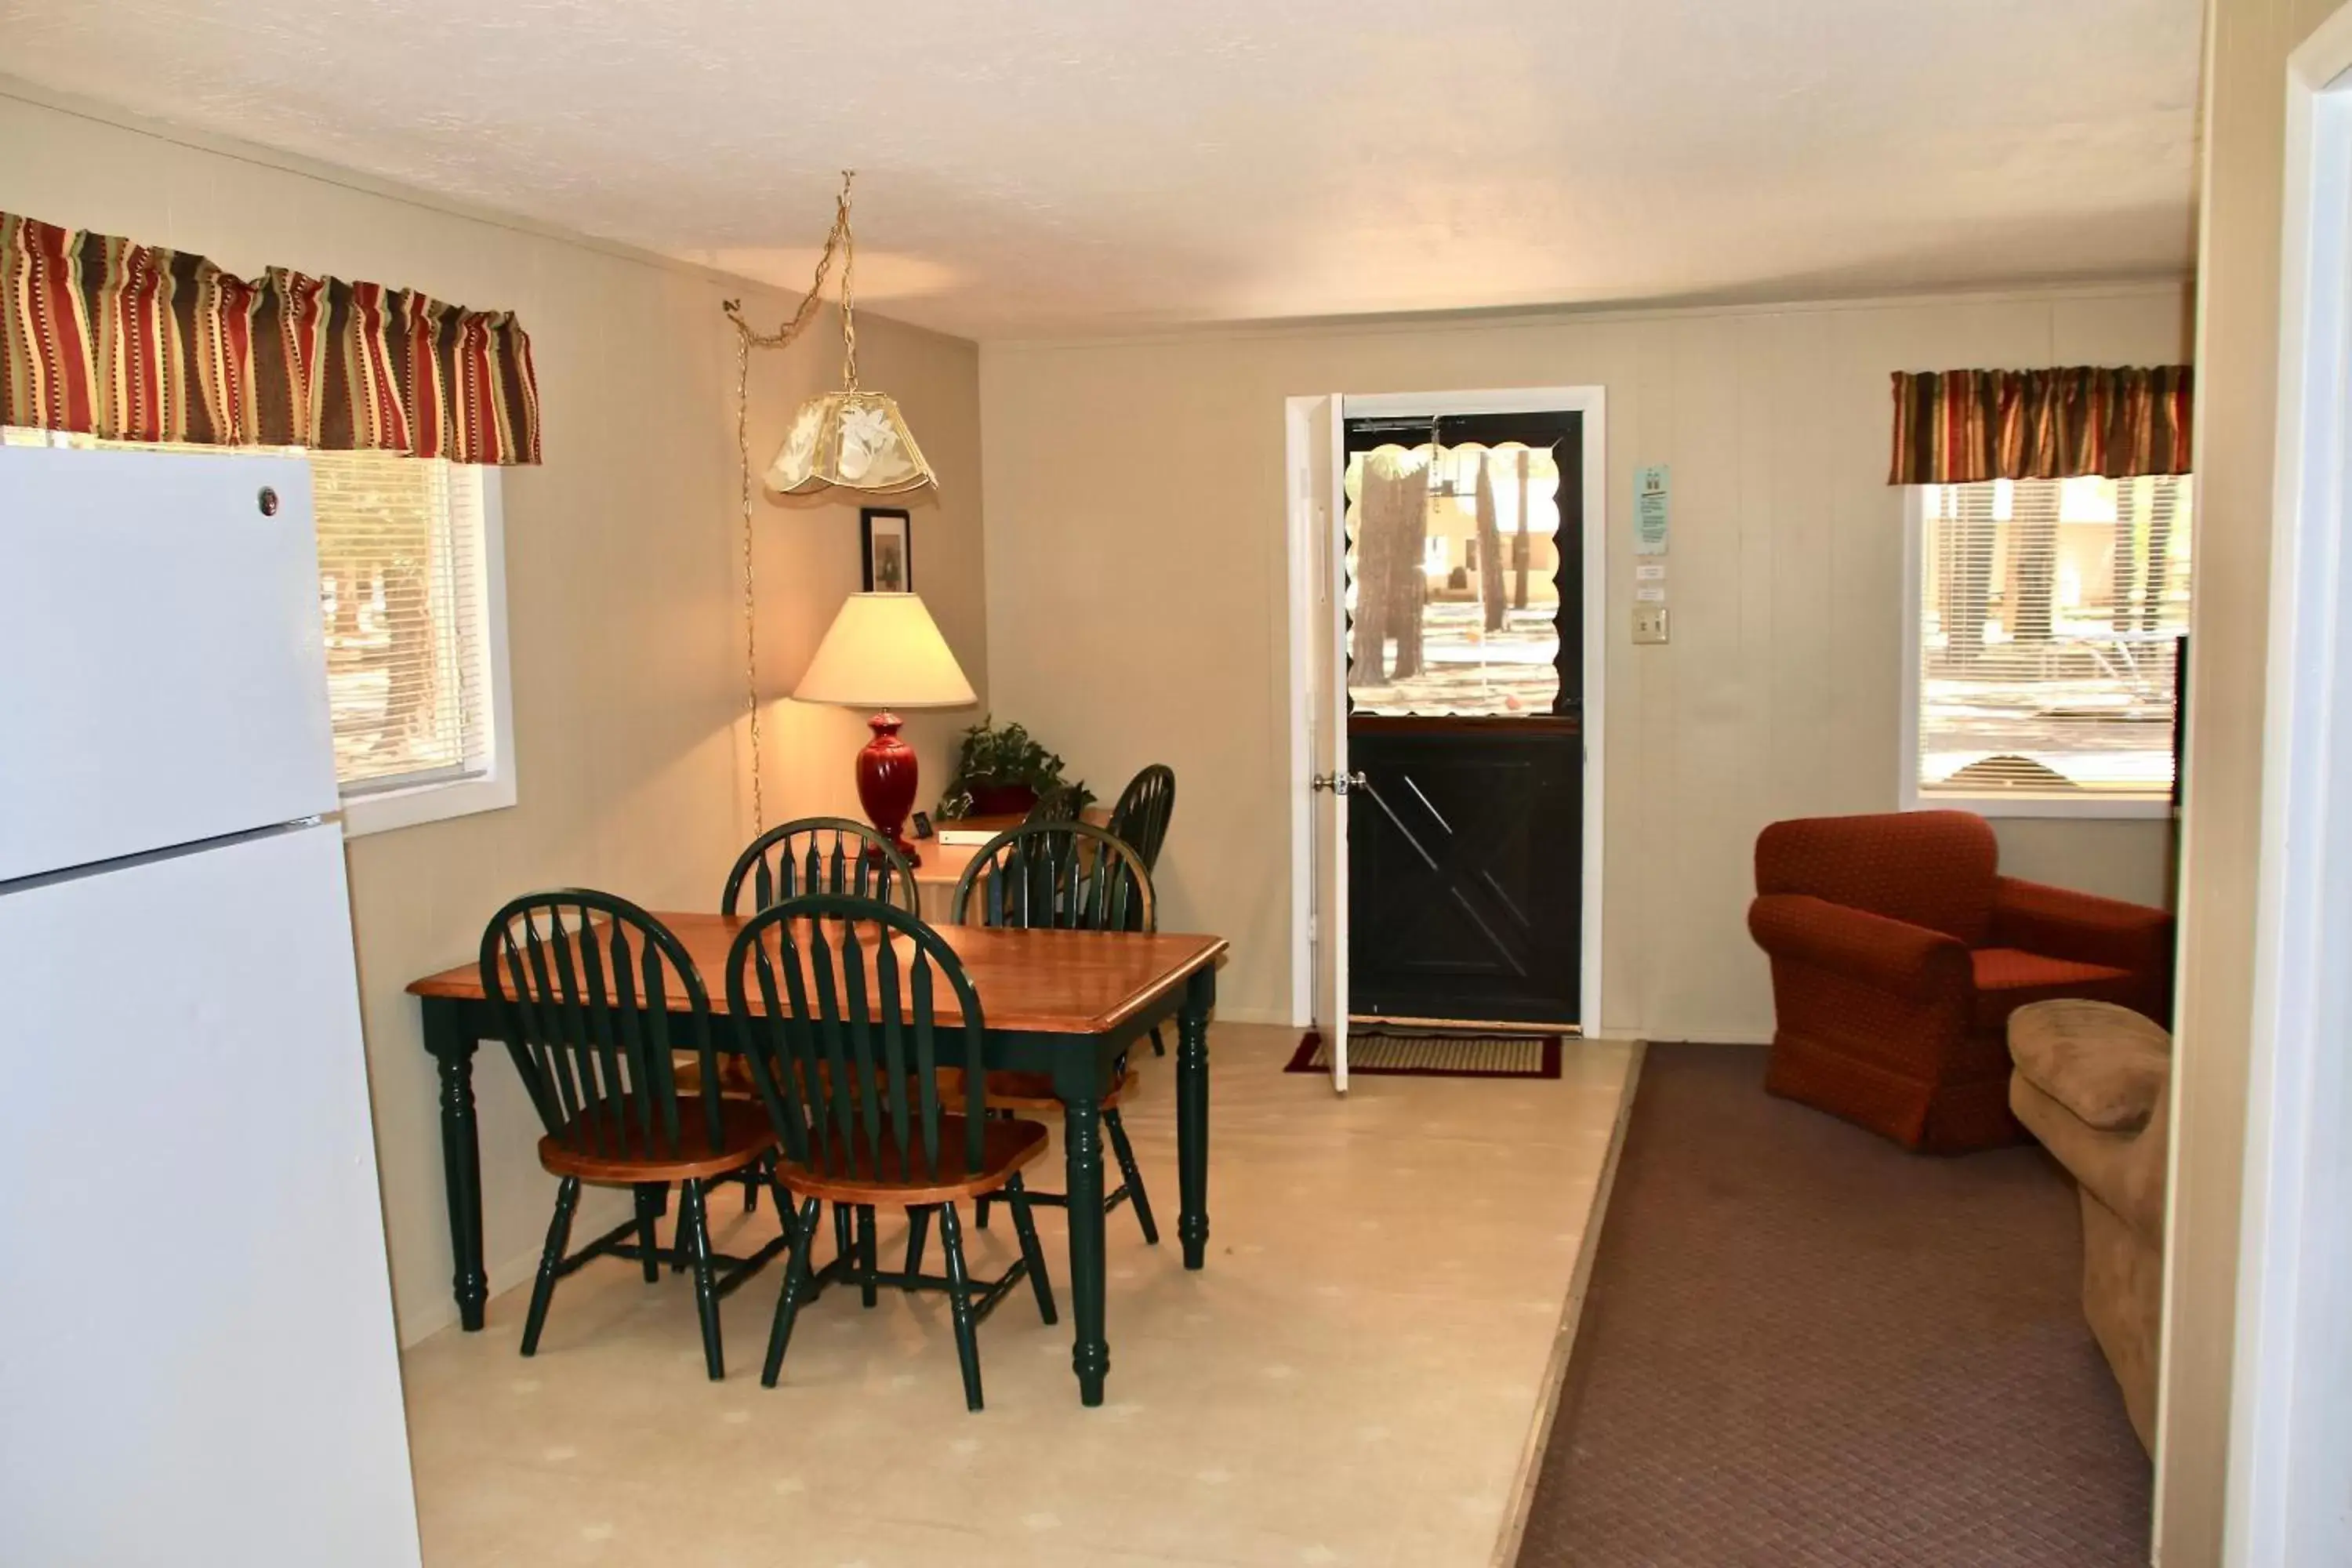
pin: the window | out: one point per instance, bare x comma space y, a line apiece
411, 605
1436, 628
399, 602
2046, 616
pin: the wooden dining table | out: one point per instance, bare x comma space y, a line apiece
1068, 1003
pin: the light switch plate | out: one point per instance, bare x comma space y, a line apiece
1649, 623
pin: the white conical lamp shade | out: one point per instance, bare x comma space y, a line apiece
884, 650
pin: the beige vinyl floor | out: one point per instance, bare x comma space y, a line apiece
1354, 1378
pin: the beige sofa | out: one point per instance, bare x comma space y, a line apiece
2093, 1082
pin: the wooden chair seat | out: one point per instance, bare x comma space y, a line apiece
857, 1174
1016, 1091
745, 1135
1027, 1090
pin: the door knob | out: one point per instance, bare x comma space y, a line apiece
1338, 784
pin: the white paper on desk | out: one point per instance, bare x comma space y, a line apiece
972, 837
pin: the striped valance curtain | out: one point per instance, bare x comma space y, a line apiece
1959, 426
134, 343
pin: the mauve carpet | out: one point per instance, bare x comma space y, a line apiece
1803, 1346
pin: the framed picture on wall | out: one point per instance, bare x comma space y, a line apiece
889, 539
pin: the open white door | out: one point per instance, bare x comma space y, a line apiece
1319, 551
2291, 1383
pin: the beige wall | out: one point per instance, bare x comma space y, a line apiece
626, 607
2122, 859
1136, 526
2247, 44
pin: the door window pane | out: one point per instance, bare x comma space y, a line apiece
1452, 562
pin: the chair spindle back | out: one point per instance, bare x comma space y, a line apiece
587, 987
837, 1001
1066, 876
1144, 807
821, 855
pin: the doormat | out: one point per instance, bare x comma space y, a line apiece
1432, 1055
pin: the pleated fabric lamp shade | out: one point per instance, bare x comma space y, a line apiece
850, 440
853, 439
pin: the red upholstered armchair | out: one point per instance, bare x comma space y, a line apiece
1898, 953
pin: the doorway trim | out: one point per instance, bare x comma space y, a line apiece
1307, 623
2290, 1430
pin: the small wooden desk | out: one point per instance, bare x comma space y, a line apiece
936, 877
1069, 1004
943, 864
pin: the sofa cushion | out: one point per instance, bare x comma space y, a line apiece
2007, 978
2106, 1065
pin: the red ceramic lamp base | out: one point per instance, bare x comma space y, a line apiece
886, 782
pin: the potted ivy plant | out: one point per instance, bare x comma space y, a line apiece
1001, 770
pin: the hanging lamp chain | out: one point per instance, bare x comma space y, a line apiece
746, 339
751, 602
848, 292
833, 242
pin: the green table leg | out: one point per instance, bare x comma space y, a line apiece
1192, 1116
1082, 1143
461, 1155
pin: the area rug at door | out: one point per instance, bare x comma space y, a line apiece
1383, 1053
1801, 1345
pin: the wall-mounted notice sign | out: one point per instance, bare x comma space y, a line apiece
1650, 510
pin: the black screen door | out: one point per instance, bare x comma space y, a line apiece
1465, 701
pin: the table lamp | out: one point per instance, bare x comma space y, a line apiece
883, 651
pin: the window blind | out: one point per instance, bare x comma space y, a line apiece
401, 601
2049, 611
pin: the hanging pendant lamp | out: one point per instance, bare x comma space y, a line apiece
853, 439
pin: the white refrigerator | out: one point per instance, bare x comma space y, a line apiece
197, 1359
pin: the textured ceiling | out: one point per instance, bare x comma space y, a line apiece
1070, 166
